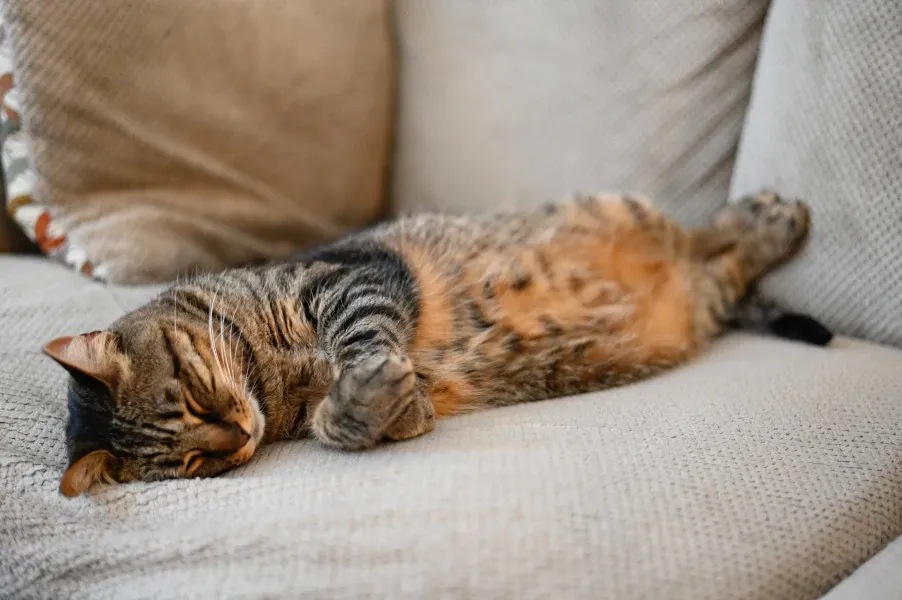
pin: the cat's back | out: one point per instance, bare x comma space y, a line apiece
455, 237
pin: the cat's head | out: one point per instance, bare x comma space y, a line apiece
155, 398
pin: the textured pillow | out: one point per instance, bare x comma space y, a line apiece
17, 174
510, 102
170, 135
825, 124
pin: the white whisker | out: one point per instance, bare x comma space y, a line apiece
229, 359
234, 352
210, 331
225, 360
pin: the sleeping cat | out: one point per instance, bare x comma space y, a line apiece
373, 337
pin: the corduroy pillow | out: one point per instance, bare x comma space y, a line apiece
168, 135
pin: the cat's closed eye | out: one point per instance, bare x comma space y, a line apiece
198, 410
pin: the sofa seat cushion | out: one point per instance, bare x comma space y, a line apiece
765, 469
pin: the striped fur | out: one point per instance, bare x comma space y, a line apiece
373, 337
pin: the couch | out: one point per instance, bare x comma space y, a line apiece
763, 469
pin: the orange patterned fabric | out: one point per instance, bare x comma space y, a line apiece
32, 217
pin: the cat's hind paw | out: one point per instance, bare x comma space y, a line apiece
770, 226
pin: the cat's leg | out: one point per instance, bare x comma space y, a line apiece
366, 321
746, 240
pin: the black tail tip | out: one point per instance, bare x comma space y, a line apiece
801, 328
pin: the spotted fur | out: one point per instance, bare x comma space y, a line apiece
373, 337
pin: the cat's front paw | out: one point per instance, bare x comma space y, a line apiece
364, 402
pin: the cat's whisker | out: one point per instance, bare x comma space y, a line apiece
175, 310
222, 359
247, 371
210, 331
225, 366
230, 362
232, 338
226, 361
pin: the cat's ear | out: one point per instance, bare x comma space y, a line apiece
91, 468
94, 354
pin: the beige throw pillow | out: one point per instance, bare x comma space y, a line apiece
169, 135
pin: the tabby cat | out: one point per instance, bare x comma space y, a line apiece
373, 337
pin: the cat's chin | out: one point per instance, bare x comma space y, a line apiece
244, 453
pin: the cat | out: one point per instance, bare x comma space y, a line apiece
374, 336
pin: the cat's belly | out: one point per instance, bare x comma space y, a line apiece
569, 308
511, 338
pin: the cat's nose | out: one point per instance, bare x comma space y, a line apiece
241, 436
224, 437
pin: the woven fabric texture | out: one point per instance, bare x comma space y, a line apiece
169, 135
509, 103
764, 470
825, 124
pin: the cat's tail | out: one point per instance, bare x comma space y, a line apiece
758, 314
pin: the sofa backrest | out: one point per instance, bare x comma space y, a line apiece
509, 103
